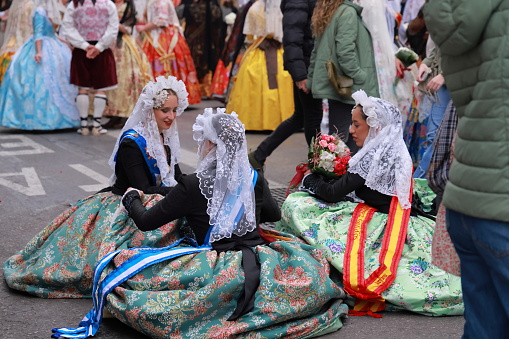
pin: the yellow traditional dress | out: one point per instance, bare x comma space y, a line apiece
262, 94
133, 68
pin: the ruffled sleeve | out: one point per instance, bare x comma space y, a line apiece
38, 22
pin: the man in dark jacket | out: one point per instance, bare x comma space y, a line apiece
473, 40
298, 45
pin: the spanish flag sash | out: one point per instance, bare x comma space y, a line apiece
367, 291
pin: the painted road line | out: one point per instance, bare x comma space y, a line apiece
101, 179
34, 186
23, 146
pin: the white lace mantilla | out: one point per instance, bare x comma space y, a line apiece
383, 161
224, 173
142, 120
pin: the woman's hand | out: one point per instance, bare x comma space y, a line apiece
435, 83
302, 85
38, 57
423, 69
141, 194
122, 29
140, 28
400, 68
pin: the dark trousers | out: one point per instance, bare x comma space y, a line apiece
304, 116
340, 119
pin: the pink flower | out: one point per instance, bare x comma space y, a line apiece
324, 137
323, 143
332, 147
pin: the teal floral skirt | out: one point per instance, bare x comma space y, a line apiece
59, 261
193, 296
419, 286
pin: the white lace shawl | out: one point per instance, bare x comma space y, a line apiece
383, 161
265, 18
19, 26
142, 120
224, 172
374, 16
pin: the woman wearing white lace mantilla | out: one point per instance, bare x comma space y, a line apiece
230, 282
389, 235
35, 93
59, 261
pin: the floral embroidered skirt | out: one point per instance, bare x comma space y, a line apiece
193, 296
133, 73
171, 56
419, 286
59, 261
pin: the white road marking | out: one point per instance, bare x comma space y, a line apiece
101, 179
34, 184
24, 146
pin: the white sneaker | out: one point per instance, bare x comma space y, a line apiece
99, 130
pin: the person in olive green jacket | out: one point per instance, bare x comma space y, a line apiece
473, 38
342, 37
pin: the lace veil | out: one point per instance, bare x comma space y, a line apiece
374, 16
265, 18
142, 120
383, 161
19, 26
225, 174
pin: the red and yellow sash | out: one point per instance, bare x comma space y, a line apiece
367, 291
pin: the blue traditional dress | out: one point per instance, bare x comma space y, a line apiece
38, 96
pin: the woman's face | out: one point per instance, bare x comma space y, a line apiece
359, 127
165, 114
205, 149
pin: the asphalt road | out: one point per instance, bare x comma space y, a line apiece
43, 173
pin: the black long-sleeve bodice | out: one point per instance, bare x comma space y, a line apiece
132, 170
336, 190
186, 200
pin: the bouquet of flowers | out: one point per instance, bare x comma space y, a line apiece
407, 56
328, 155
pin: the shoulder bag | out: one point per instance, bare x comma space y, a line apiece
341, 83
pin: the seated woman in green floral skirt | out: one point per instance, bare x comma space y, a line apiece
366, 221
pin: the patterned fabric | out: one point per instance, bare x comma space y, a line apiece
441, 159
19, 28
60, 260
91, 20
443, 252
204, 33
38, 96
193, 296
419, 287
171, 56
414, 133
133, 72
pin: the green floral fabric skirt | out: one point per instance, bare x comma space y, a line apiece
59, 262
193, 296
419, 287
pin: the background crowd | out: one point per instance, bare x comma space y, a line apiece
285, 66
